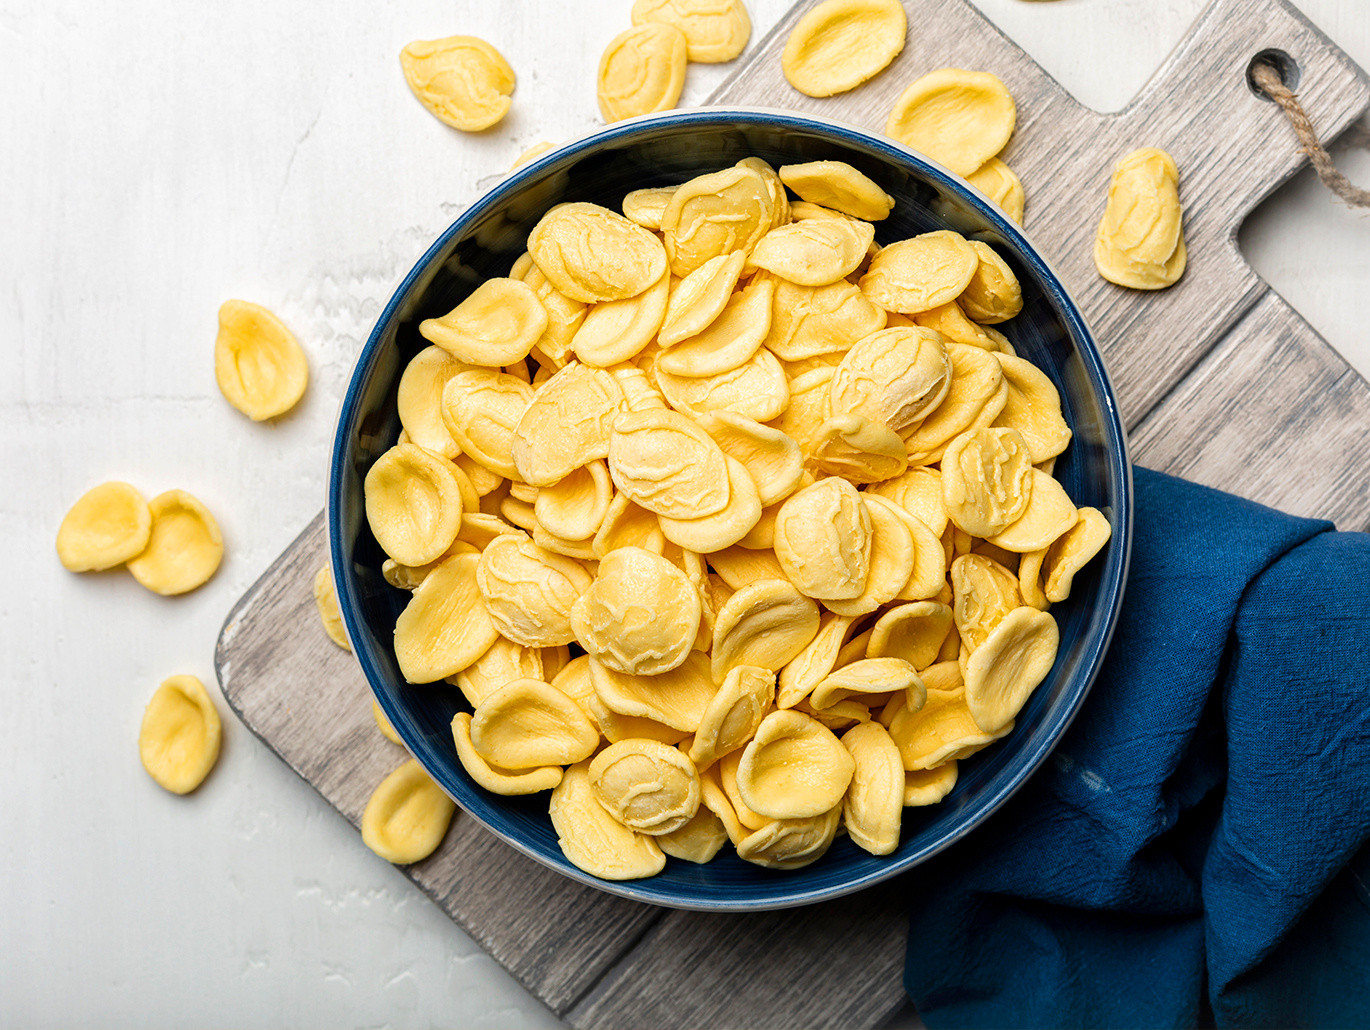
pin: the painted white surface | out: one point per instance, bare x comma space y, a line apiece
156, 158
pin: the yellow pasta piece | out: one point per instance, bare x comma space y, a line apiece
794, 768
700, 297
667, 464
765, 624
533, 152
715, 214
959, 118
868, 680
1048, 515
567, 424
413, 504
715, 30
858, 449
729, 340
618, 330
815, 252
791, 843
592, 254
929, 786
823, 540
406, 816
463, 80
527, 724
809, 321
642, 70
758, 389
894, 555
895, 377
941, 731
921, 273
772, 459
723, 528
1033, 407
698, 841
874, 803
993, 294
646, 785
640, 615
110, 524
179, 739
258, 364
646, 206
839, 186
919, 492
1073, 550
733, 714
977, 395
1004, 671
418, 400
812, 665
445, 626
841, 43
493, 778
497, 324
184, 547
987, 479
575, 507
383, 724
677, 698
326, 601
913, 632
983, 593
503, 662
1001, 184
1140, 243
529, 591
592, 839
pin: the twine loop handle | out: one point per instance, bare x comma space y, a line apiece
1267, 77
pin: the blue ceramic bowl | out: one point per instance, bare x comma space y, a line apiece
663, 150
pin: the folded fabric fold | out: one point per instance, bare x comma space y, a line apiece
1192, 844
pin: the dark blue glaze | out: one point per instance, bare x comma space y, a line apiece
663, 150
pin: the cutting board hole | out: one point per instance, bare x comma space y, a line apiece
1287, 67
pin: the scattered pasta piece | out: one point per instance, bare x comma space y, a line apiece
842, 43
715, 30
184, 548
326, 600
383, 724
258, 364
463, 80
179, 739
1140, 243
406, 816
110, 524
642, 70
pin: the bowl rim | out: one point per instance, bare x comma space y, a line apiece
1113, 576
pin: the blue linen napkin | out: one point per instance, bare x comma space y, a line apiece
1194, 852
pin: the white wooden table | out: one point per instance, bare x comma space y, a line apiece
157, 159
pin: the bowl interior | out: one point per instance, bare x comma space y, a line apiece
665, 150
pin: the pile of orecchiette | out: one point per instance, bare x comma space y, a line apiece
786, 492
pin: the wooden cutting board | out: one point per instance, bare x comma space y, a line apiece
1219, 380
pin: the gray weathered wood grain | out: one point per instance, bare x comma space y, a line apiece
309, 702
1286, 423
1219, 380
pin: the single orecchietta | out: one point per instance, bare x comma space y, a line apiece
729, 523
